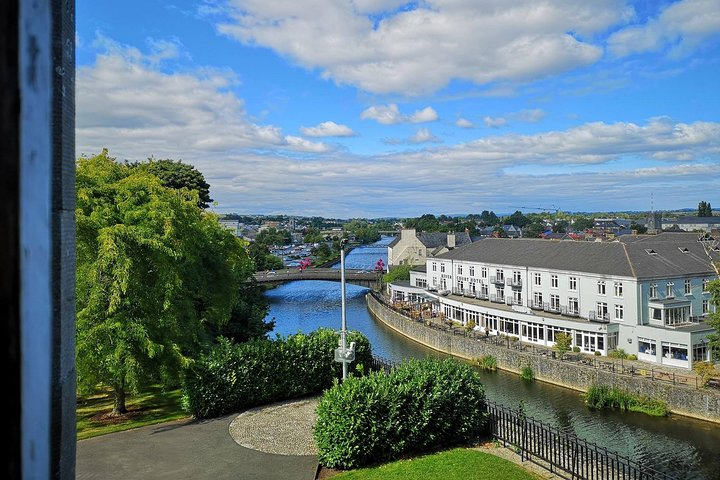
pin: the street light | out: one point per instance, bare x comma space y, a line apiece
342, 353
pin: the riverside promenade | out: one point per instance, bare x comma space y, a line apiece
679, 389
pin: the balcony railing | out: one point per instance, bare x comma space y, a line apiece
593, 316
513, 301
551, 307
513, 282
481, 296
497, 298
535, 305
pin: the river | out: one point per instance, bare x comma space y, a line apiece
687, 448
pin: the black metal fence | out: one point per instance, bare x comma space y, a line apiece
562, 453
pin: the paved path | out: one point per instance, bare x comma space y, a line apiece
185, 449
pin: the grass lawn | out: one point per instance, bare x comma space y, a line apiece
457, 464
146, 408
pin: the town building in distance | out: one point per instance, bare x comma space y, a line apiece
645, 294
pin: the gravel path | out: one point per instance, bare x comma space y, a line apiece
283, 428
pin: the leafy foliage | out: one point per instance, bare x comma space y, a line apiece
704, 209
418, 406
154, 274
705, 371
399, 272
235, 376
526, 373
487, 362
602, 396
178, 175
563, 343
618, 353
714, 319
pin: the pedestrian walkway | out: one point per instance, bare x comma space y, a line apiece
185, 449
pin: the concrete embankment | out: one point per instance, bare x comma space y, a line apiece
682, 399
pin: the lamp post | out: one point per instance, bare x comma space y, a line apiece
343, 331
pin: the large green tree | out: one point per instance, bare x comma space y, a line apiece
178, 175
704, 209
156, 277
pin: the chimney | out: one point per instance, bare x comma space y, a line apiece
451, 240
406, 233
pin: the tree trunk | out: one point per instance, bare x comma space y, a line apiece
119, 406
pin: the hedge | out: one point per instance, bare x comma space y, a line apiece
419, 406
231, 377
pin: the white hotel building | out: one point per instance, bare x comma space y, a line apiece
645, 294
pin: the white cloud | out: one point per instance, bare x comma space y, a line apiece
424, 136
127, 103
495, 122
390, 114
328, 129
381, 48
464, 123
682, 26
427, 114
302, 145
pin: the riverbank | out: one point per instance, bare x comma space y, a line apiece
682, 399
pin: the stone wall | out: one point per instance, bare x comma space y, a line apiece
683, 400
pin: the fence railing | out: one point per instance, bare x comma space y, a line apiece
562, 453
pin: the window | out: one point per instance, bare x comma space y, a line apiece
442, 267
483, 272
573, 283
472, 271
619, 312
601, 287
669, 293
500, 275
653, 290
573, 306
602, 310
517, 277
517, 297
434, 267
706, 282
537, 280
705, 307
555, 302
618, 289
459, 269
688, 287
500, 294
537, 297
554, 281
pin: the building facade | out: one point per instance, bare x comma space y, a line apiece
645, 294
411, 248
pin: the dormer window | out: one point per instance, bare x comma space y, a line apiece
683, 249
650, 251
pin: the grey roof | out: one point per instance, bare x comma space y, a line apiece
439, 239
420, 268
639, 257
394, 241
699, 220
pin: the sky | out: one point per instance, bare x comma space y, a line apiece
389, 108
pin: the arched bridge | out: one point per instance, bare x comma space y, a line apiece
364, 278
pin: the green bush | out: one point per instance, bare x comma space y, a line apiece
419, 406
576, 349
602, 396
597, 353
487, 362
632, 356
235, 376
526, 373
618, 353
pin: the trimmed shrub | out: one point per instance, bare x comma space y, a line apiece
618, 353
235, 376
419, 406
632, 356
576, 349
597, 353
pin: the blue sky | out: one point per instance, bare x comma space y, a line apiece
349, 108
